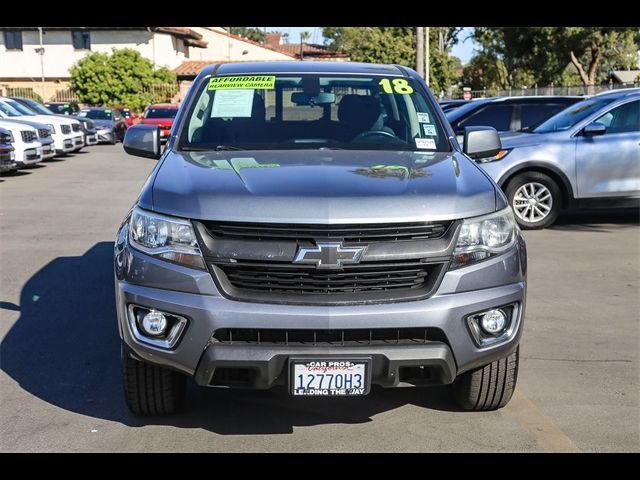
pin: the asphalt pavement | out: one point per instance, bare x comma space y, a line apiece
60, 390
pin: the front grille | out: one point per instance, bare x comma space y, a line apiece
44, 132
306, 279
348, 233
66, 129
328, 338
28, 136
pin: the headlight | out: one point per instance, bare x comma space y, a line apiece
167, 237
483, 237
8, 138
52, 128
500, 155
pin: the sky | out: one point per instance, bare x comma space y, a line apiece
463, 49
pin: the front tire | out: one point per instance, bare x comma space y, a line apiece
150, 389
535, 198
489, 387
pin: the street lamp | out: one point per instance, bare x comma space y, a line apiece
40, 51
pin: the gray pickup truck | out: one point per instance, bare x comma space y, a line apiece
316, 226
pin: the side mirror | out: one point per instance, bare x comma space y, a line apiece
481, 142
594, 129
143, 141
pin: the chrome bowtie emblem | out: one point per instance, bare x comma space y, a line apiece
329, 255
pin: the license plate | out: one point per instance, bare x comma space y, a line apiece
330, 377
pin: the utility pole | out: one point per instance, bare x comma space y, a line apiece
420, 51
426, 58
41, 52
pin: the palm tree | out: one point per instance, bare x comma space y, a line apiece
304, 36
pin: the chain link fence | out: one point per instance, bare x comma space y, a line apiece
579, 90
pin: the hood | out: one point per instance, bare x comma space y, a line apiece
24, 121
46, 119
87, 121
319, 186
520, 139
103, 123
163, 122
14, 126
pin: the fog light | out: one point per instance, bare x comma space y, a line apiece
154, 323
493, 321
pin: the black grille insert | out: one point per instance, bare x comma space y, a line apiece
44, 132
28, 136
306, 279
347, 233
66, 129
328, 338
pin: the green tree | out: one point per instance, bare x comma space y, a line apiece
252, 33
398, 45
124, 77
541, 54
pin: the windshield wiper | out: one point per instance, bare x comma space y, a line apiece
217, 148
220, 148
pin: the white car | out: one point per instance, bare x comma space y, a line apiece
25, 142
66, 137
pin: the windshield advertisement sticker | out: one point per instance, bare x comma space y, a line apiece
426, 143
429, 129
423, 117
251, 82
232, 104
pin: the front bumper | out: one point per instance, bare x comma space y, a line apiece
105, 136
78, 142
7, 161
153, 283
91, 138
63, 144
48, 150
30, 156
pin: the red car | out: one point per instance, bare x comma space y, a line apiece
130, 117
161, 114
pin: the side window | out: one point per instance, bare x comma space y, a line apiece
81, 39
532, 114
622, 119
13, 40
496, 116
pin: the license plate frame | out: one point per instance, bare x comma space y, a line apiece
330, 364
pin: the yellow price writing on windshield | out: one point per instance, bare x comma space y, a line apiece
397, 85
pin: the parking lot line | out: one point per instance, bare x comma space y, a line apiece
539, 426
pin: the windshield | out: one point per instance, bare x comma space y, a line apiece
37, 107
8, 110
275, 112
96, 114
125, 112
161, 113
17, 106
62, 108
572, 115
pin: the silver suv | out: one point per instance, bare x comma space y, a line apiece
317, 226
586, 155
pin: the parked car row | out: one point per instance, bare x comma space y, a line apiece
560, 152
30, 133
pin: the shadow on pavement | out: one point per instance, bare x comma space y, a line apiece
597, 219
16, 173
65, 350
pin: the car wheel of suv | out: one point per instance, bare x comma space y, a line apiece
150, 389
535, 198
489, 387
